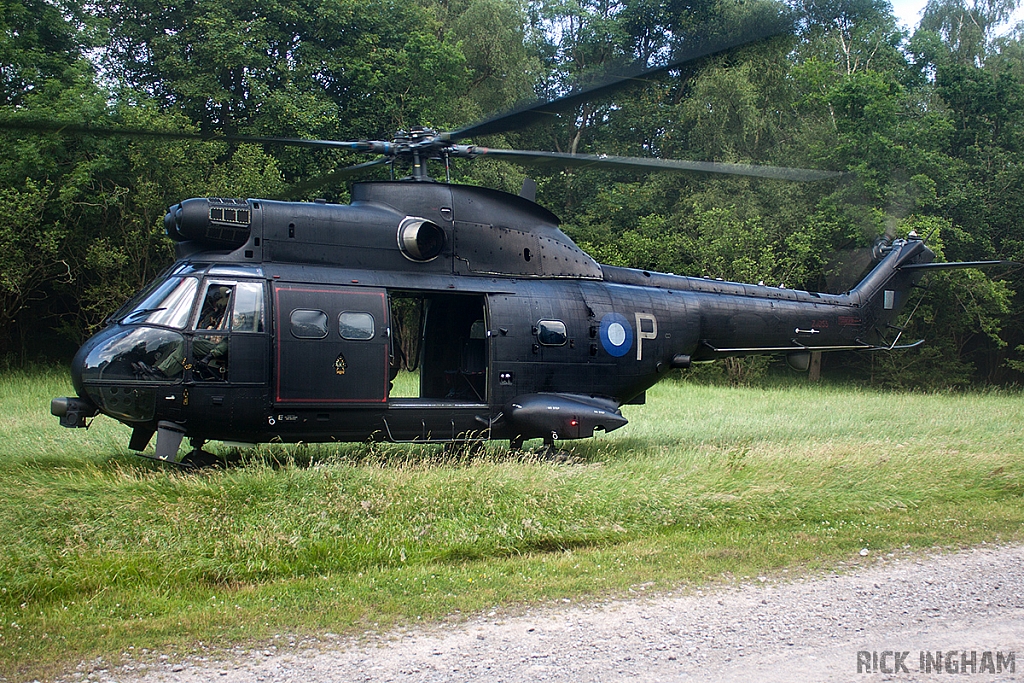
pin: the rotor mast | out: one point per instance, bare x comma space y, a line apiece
418, 146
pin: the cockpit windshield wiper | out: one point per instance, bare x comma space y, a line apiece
142, 311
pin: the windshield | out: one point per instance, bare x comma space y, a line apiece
168, 304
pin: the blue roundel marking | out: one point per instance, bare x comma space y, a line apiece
616, 334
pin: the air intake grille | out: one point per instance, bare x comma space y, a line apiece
230, 211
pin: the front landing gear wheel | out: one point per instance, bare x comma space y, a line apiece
197, 458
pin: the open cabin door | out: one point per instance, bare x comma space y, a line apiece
443, 336
332, 344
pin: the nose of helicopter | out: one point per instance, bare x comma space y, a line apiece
118, 371
60, 407
74, 411
101, 338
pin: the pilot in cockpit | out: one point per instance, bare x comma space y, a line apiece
213, 316
208, 351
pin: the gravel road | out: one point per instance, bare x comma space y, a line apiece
768, 630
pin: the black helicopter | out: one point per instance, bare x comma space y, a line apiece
278, 321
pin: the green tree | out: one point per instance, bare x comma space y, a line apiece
335, 69
81, 215
41, 63
967, 27
40, 42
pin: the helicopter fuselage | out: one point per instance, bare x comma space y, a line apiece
287, 321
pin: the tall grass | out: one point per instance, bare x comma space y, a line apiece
101, 550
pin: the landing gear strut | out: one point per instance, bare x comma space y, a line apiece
551, 452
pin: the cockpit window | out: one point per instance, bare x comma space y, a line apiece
216, 303
169, 304
248, 312
144, 354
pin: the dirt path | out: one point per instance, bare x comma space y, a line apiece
764, 631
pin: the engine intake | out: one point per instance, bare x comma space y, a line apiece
216, 221
420, 239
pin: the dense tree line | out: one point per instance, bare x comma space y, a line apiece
926, 124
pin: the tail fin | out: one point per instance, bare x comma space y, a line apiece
884, 292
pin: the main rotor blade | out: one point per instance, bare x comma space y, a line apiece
299, 190
41, 126
527, 114
561, 159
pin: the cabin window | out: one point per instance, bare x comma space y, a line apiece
169, 304
551, 333
308, 324
248, 312
355, 325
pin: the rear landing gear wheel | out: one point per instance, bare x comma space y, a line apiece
549, 451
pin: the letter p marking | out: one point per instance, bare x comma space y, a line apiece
646, 328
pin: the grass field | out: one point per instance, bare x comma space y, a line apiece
101, 550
